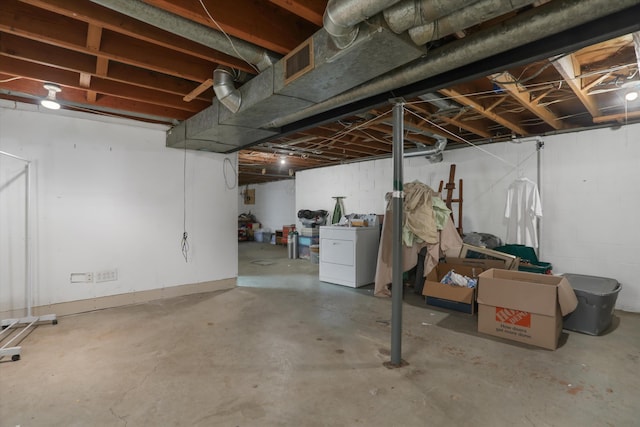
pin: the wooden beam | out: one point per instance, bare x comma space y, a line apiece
569, 68
120, 106
466, 100
69, 79
50, 35
91, 13
94, 34
197, 91
311, 10
451, 121
257, 22
621, 117
507, 82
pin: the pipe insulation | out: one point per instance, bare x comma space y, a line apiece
474, 14
341, 18
193, 31
413, 13
529, 26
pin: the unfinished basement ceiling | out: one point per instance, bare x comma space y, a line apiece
571, 64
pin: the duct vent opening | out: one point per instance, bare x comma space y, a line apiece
298, 61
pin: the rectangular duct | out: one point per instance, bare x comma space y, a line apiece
377, 50
315, 71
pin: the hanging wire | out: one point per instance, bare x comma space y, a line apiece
184, 243
462, 139
224, 172
228, 38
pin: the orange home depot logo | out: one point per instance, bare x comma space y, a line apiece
514, 317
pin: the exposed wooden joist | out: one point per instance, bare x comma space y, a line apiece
114, 46
311, 10
249, 20
507, 82
451, 121
77, 96
620, 117
569, 68
94, 35
69, 79
89, 12
466, 100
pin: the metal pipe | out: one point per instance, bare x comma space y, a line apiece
3, 153
443, 104
226, 92
193, 31
412, 13
530, 26
341, 18
397, 206
27, 239
464, 18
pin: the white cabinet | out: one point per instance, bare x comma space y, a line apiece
348, 255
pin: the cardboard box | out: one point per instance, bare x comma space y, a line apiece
480, 264
524, 307
450, 296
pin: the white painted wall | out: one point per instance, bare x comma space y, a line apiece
109, 195
275, 204
589, 189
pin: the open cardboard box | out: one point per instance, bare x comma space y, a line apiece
450, 296
524, 307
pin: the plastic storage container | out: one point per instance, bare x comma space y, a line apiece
528, 258
596, 301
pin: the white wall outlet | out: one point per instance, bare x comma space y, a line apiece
106, 275
81, 277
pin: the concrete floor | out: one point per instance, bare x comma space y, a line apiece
284, 349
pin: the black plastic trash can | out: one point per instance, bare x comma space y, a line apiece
596, 300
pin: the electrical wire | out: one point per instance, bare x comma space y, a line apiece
228, 38
462, 139
184, 243
224, 172
10, 79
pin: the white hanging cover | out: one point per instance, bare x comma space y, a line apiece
522, 209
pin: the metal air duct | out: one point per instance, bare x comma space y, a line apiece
464, 18
192, 31
438, 101
341, 18
532, 25
226, 92
412, 13
434, 152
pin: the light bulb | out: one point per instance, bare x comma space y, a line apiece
631, 96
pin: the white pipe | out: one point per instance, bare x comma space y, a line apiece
27, 239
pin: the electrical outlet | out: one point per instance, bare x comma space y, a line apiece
106, 275
81, 277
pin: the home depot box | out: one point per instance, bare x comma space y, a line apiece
450, 296
524, 307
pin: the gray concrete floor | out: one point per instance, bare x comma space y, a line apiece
283, 349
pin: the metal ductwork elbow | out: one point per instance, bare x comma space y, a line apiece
434, 154
226, 92
341, 18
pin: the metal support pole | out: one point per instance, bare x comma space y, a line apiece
398, 198
539, 147
27, 239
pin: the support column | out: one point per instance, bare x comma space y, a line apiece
397, 209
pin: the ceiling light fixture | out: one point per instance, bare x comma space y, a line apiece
283, 160
631, 96
50, 101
